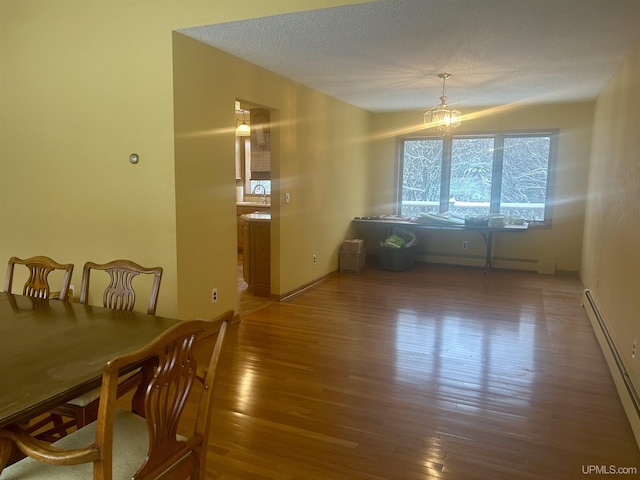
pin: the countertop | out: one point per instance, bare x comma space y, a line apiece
256, 217
253, 204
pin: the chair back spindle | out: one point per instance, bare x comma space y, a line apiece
119, 294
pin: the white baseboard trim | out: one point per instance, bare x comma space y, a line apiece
624, 384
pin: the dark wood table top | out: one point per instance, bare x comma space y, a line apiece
52, 351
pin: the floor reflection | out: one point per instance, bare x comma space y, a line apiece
468, 360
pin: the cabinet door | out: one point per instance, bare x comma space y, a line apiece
260, 246
246, 253
240, 234
260, 144
241, 210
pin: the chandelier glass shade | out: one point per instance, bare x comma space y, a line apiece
242, 129
441, 117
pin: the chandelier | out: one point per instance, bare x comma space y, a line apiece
441, 117
242, 129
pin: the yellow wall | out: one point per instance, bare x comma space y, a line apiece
83, 85
319, 156
610, 258
81, 91
560, 243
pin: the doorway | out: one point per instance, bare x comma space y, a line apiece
253, 200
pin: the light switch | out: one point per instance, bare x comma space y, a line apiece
287, 197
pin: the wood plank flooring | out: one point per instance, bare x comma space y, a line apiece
433, 373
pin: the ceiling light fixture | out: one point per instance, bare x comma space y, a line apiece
243, 129
442, 118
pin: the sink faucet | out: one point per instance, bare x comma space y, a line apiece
264, 192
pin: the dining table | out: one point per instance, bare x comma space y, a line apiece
52, 351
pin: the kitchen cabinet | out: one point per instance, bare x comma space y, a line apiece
242, 209
256, 266
260, 144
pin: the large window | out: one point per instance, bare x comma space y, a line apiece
471, 175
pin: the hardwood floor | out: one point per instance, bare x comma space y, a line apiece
436, 372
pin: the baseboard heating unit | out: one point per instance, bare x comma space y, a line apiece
626, 389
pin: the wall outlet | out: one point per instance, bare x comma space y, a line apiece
465, 245
214, 295
314, 258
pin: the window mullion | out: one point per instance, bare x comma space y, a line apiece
445, 178
496, 174
399, 176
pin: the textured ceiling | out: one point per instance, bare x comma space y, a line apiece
385, 55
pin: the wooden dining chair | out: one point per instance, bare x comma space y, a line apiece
37, 285
149, 440
120, 294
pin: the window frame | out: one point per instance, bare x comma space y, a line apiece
499, 136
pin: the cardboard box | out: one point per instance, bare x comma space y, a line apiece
352, 262
353, 246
